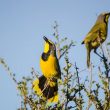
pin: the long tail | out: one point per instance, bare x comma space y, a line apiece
88, 55
46, 88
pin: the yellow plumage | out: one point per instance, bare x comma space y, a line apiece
97, 35
46, 86
40, 93
49, 67
46, 47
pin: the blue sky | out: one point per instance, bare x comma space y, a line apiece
23, 23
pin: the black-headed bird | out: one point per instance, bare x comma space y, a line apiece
97, 35
47, 86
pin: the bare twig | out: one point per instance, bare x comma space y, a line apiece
8, 70
78, 79
67, 93
70, 45
34, 73
79, 89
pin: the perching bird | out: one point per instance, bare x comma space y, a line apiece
47, 86
97, 35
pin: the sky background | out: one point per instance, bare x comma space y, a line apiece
23, 23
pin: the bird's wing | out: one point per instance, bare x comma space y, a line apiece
93, 33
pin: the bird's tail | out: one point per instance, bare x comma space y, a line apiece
88, 60
88, 56
47, 88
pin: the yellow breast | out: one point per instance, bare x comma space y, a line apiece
48, 67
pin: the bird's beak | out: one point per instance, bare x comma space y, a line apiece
48, 41
45, 38
108, 14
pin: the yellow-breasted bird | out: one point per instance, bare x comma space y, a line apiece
47, 86
97, 35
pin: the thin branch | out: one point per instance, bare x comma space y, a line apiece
76, 68
67, 93
70, 45
8, 71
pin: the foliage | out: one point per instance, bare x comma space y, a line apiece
75, 94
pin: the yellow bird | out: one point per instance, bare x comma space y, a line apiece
97, 35
47, 86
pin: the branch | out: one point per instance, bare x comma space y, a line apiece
70, 45
78, 79
2, 62
25, 98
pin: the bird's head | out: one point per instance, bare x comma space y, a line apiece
49, 46
103, 17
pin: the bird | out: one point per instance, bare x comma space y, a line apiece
46, 85
97, 35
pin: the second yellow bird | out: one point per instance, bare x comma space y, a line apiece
97, 35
